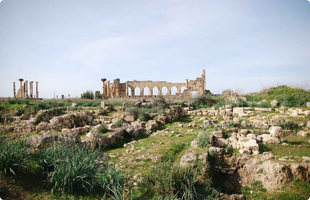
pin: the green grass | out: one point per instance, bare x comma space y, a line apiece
286, 96
296, 140
289, 150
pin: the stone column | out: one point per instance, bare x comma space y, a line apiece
169, 91
21, 87
30, 89
37, 90
151, 92
186, 83
160, 92
126, 88
14, 90
108, 89
26, 89
179, 90
103, 87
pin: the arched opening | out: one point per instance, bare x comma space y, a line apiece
164, 90
129, 92
146, 91
155, 90
194, 94
137, 91
183, 88
174, 90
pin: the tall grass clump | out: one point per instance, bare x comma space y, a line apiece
171, 180
70, 169
204, 140
114, 183
14, 155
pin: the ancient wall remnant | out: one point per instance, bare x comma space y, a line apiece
23, 91
134, 88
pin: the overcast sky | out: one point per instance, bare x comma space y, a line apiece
69, 45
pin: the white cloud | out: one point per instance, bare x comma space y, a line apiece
0, 2
309, 1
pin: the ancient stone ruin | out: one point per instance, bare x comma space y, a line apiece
23, 92
149, 88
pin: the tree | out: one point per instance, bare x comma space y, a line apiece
98, 95
87, 95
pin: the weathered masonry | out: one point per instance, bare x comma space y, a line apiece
23, 92
190, 88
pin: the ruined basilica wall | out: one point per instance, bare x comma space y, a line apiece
153, 84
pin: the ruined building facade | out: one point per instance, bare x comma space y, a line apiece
23, 92
116, 89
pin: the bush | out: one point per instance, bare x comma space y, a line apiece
204, 101
14, 155
119, 123
289, 125
134, 112
144, 116
87, 95
160, 103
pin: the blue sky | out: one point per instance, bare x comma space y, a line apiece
68, 46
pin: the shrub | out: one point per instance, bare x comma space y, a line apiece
144, 116
160, 103
87, 95
134, 112
289, 125
204, 140
119, 123
204, 101
13, 155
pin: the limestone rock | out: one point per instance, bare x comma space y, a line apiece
268, 139
275, 131
151, 125
218, 134
35, 140
303, 133
188, 158
307, 113
99, 128
220, 142
216, 151
207, 123
274, 103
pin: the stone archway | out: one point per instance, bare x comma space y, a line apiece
146, 91
137, 91
164, 90
174, 90
155, 90
183, 88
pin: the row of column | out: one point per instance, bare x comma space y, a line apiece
151, 92
24, 89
